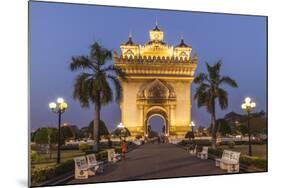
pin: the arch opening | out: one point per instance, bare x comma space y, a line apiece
156, 122
156, 125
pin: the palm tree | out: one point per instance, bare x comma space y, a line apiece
92, 84
209, 88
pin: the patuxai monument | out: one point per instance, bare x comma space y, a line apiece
159, 84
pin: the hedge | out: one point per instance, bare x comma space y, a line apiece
197, 142
44, 174
255, 142
244, 159
70, 147
48, 173
255, 161
208, 142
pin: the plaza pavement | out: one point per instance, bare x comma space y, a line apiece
151, 161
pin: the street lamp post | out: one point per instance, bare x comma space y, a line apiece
248, 106
121, 127
192, 124
58, 108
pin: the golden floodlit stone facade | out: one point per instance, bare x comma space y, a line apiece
159, 80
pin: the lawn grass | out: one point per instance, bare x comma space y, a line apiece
257, 150
44, 160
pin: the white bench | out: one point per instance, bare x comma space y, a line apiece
94, 165
204, 153
81, 168
193, 152
87, 166
137, 142
112, 156
229, 161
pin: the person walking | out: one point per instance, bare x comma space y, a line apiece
124, 149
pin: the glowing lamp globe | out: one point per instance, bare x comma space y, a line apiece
247, 100
60, 100
63, 105
253, 105
52, 105
192, 124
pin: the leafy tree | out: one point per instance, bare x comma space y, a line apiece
34, 156
103, 131
222, 127
32, 136
258, 125
243, 129
45, 136
92, 84
67, 133
189, 135
121, 132
209, 89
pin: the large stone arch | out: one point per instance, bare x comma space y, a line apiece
156, 111
156, 97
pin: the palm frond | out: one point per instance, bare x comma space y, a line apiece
214, 71
80, 62
92, 85
201, 95
223, 98
101, 87
118, 88
229, 81
200, 78
81, 87
99, 54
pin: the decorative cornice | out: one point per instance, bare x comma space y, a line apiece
153, 60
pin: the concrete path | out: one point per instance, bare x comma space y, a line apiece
152, 161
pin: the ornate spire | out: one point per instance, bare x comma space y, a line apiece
182, 36
156, 25
130, 41
156, 21
182, 44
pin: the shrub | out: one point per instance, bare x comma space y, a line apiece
243, 142
203, 142
231, 144
118, 149
40, 175
70, 147
183, 142
254, 161
84, 147
189, 135
102, 155
34, 156
138, 137
217, 152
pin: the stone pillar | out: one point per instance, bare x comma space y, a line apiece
141, 115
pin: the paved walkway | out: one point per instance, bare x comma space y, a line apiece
152, 161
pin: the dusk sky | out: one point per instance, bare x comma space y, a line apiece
60, 31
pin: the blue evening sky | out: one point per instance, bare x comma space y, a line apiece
60, 31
